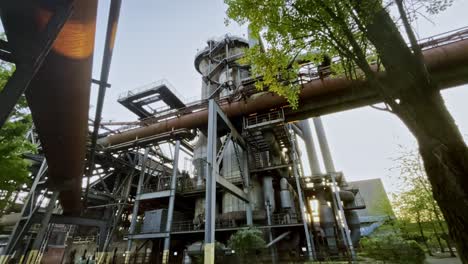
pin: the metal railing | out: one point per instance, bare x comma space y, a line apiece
285, 218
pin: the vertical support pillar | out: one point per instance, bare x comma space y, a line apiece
310, 148
302, 207
330, 168
210, 192
270, 233
247, 190
33, 254
170, 211
136, 204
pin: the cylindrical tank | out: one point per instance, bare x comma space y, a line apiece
327, 222
285, 194
269, 192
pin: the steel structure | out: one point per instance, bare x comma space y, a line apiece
241, 143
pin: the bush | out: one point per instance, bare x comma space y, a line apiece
247, 242
393, 248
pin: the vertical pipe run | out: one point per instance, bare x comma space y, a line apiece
210, 192
170, 211
310, 148
114, 13
309, 241
330, 168
136, 204
247, 190
325, 149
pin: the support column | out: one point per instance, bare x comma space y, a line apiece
210, 192
36, 246
247, 190
170, 211
302, 207
136, 204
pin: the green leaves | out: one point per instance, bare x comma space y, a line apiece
246, 241
14, 169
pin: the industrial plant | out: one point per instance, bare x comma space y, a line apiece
176, 183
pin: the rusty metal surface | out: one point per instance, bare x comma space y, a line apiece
447, 64
59, 94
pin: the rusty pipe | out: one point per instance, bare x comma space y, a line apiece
59, 100
447, 64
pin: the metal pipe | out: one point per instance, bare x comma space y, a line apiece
170, 210
447, 64
310, 147
112, 22
61, 90
324, 148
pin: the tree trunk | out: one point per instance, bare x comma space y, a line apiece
442, 229
421, 107
421, 231
436, 233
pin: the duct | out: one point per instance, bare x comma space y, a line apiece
354, 225
346, 196
310, 148
269, 192
285, 194
447, 65
59, 99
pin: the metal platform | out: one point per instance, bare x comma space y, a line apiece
139, 100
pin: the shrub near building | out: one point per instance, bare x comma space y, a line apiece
393, 248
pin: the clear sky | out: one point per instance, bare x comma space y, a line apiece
159, 39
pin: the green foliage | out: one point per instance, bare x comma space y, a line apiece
13, 144
246, 241
304, 28
393, 248
301, 28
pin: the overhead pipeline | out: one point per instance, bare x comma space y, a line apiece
447, 64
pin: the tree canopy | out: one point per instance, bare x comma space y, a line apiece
14, 169
363, 39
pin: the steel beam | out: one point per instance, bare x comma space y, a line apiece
210, 192
170, 210
231, 188
27, 212
236, 135
34, 252
29, 62
136, 204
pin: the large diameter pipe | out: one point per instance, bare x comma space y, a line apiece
59, 100
447, 64
310, 148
